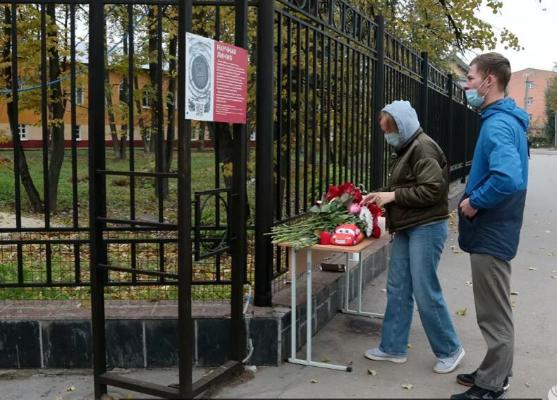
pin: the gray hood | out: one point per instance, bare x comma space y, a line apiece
406, 120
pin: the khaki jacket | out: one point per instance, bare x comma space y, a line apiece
419, 176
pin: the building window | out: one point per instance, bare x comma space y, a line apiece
77, 132
123, 92
146, 98
79, 95
22, 130
530, 85
529, 101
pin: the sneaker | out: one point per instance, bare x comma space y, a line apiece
469, 379
446, 365
378, 355
478, 393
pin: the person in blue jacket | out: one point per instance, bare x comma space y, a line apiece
490, 218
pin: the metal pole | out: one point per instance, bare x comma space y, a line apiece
378, 144
424, 95
185, 320
239, 248
264, 204
97, 190
450, 145
555, 131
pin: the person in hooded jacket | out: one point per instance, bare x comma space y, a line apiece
416, 204
490, 218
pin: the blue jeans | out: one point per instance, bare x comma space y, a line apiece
415, 257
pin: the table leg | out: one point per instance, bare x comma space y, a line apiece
309, 330
308, 307
360, 282
293, 303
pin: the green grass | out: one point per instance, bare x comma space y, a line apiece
118, 187
118, 206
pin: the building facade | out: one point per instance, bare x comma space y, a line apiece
527, 88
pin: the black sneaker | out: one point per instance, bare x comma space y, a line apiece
469, 379
478, 393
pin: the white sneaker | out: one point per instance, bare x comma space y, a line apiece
446, 365
378, 355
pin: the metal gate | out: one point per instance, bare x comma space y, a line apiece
165, 231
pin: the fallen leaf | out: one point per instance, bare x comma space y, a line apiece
550, 254
409, 345
462, 312
468, 283
326, 360
513, 304
70, 388
547, 231
514, 293
407, 386
314, 381
533, 269
526, 384
372, 372
384, 290
554, 276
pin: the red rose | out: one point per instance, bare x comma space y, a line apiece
374, 209
346, 187
376, 231
334, 191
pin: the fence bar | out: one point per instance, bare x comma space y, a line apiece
238, 209
97, 190
185, 263
264, 154
44, 115
425, 89
379, 100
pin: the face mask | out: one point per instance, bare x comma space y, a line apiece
393, 138
474, 98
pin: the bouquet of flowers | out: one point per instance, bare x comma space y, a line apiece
339, 206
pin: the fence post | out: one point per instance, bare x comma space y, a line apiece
424, 97
239, 258
264, 203
378, 143
97, 190
450, 147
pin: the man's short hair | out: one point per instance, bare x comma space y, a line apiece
494, 64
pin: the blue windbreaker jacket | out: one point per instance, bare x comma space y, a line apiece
497, 182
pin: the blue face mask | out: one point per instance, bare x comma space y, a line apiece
393, 138
474, 98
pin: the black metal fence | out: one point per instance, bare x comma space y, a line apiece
44, 239
323, 72
333, 70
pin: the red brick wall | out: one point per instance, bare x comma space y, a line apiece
517, 90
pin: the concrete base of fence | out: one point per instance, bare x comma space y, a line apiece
141, 334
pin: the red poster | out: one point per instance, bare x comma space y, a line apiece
231, 87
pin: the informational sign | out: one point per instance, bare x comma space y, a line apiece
216, 80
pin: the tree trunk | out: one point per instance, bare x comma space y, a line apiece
226, 154
57, 109
26, 179
139, 112
171, 102
110, 108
